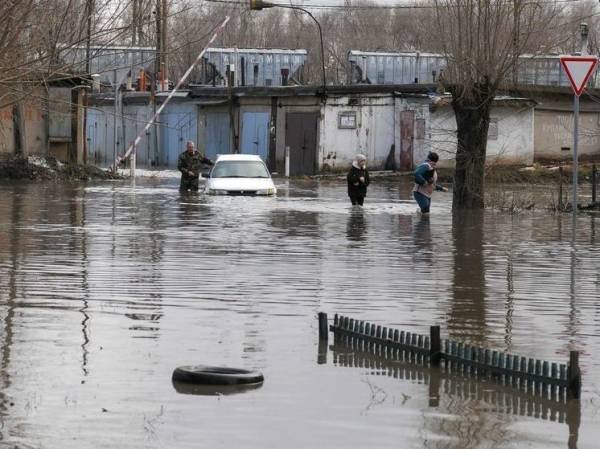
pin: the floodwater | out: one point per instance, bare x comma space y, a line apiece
105, 289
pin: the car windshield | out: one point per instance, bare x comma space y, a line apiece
240, 169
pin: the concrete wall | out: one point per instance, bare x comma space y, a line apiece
34, 124
553, 130
7, 131
514, 142
373, 136
554, 135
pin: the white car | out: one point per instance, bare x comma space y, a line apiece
239, 174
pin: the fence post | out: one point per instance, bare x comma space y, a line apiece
323, 331
574, 376
594, 176
435, 352
560, 188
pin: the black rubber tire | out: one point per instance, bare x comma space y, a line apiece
216, 375
214, 390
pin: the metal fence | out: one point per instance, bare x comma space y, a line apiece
540, 377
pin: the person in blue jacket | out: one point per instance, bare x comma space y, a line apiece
426, 182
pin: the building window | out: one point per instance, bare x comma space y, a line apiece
347, 120
493, 129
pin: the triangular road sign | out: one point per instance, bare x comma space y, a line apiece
578, 69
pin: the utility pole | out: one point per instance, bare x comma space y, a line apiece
516, 30
164, 40
584, 31
158, 59
134, 21
89, 10
161, 40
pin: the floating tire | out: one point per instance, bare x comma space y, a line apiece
214, 390
216, 375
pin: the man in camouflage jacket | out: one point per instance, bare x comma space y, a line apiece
189, 164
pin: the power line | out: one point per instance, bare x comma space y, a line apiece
243, 4
305, 6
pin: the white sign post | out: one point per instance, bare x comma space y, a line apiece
578, 70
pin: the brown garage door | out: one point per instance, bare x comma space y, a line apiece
301, 137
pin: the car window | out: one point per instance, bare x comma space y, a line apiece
239, 169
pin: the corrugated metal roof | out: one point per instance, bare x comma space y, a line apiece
404, 67
256, 50
112, 47
105, 60
383, 53
252, 66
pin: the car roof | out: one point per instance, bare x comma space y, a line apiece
238, 157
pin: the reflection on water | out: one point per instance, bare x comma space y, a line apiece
467, 315
357, 225
453, 391
461, 394
104, 289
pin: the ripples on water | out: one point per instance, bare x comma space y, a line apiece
105, 289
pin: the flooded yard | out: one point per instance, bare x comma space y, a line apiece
105, 289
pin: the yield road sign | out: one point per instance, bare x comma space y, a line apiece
578, 69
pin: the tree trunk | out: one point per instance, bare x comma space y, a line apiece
472, 114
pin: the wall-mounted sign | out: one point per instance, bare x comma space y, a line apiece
347, 120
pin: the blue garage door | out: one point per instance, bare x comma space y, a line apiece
255, 134
100, 148
217, 134
179, 125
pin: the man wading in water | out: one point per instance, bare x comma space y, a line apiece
426, 182
189, 164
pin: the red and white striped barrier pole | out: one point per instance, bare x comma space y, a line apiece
132, 147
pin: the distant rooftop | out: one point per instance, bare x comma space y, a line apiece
105, 60
383, 53
256, 50
377, 67
113, 47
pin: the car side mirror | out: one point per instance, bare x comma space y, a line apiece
204, 174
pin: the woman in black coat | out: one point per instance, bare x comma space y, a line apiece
358, 180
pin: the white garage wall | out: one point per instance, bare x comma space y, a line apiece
373, 135
514, 144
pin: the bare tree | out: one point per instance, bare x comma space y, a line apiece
482, 40
36, 32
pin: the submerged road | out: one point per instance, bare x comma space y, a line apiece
105, 289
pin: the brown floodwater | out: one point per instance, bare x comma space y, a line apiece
106, 288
